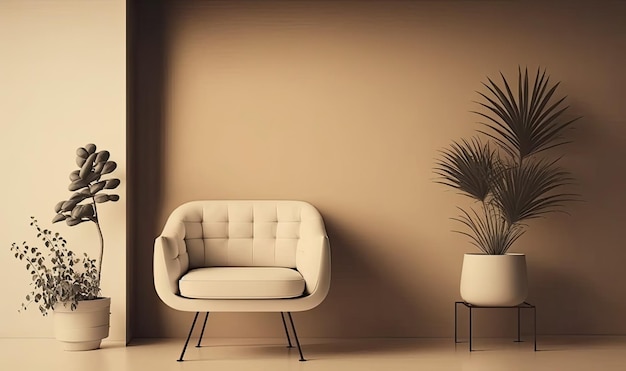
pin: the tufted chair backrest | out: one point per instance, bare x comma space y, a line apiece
244, 233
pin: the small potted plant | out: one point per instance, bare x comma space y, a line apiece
64, 282
511, 179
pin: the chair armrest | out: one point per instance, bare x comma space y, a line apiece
170, 263
313, 262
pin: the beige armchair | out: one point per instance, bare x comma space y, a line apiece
243, 256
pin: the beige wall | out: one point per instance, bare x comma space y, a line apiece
62, 85
345, 104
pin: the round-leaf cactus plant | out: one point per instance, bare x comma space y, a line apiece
90, 189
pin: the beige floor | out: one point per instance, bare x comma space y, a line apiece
555, 354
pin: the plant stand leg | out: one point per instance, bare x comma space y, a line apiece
535, 326
519, 339
470, 329
456, 339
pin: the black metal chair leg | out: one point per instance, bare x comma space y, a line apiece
188, 337
206, 316
282, 316
295, 335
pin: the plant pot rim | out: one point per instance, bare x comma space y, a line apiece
483, 254
102, 298
62, 307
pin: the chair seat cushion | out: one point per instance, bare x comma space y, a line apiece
241, 283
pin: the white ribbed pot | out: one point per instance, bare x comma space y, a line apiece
84, 327
494, 280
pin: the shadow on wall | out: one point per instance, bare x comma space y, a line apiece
583, 275
146, 85
363, 298
564, 301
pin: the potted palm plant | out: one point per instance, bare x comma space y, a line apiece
65, 283
507, 171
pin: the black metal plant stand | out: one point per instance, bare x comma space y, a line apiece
524, 305
282, 315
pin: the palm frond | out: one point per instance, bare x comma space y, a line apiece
491, 233
527, 124
512, 183
523, 93
529, 191
468, 166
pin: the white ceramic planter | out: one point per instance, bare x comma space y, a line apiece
82, 328
494, 280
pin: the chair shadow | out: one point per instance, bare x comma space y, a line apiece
363, 300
